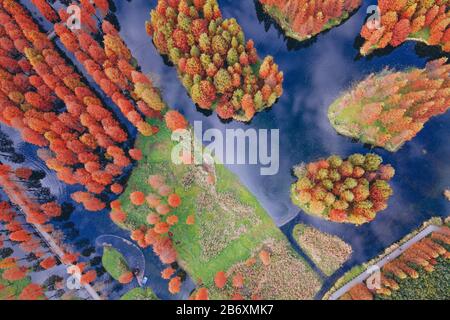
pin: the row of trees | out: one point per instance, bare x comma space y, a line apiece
305, 18
401, 20
22, 219
111, 65
220, 70
349, 190
86, 142
36, 213
22, 253
424, 255
390, 108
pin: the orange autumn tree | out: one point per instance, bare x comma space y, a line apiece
88, 277
14, 274
167, 273
111, 68
346, 190
202, 294
137, 198
48, 263
175, 120
220, 279
175, 285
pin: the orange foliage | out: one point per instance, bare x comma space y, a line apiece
265, 257
137, 198
175, 120
190, 220
32, 292
167, 273
48, 263
88, 277
174, 200
202, 294
14, 274
220, 279
126, 278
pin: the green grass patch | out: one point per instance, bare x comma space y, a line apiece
230, 224
139, 294
114, 262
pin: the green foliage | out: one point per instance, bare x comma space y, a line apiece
222, 81
372, 162
230, 224
114, 262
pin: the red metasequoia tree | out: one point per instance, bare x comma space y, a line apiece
88, 277
126, 277
220, 279
32, 292
175, 120
14, 273
167, 273
175, 285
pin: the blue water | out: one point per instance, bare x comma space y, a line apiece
315, 75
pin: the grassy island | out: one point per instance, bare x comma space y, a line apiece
327, 251
348, 190
390, 108
220, 226
115, 264
220, 69
302, 20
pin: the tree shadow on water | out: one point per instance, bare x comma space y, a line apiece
430, 52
